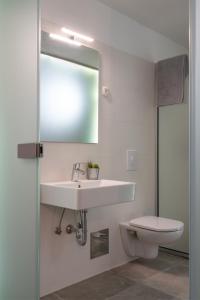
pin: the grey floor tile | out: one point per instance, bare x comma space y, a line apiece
96, 288
165, 278
174, 281
173, 259
142, 268
142, 292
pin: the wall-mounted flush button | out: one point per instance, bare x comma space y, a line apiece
131, 160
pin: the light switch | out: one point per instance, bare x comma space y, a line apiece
131, 160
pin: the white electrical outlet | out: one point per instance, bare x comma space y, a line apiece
131, 160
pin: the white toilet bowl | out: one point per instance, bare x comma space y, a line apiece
142, 236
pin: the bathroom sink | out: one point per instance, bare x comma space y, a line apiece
86, 194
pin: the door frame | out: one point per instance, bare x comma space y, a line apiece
194, 149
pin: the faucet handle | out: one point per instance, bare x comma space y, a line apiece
76, 166
77, 170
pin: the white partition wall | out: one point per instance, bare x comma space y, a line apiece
194, 149
19, 227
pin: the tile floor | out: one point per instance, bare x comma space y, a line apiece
165, 278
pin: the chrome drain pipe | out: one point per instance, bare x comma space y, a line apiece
80, 229
81, 232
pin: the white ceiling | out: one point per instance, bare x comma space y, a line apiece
168, 17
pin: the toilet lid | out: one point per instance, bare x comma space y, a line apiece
157, 224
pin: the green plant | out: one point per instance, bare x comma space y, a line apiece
93, 165
89, 165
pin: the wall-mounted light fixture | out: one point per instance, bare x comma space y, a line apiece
65, 39
77, 35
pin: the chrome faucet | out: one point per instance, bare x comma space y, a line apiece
77, 170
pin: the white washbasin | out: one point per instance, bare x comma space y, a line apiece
87, 193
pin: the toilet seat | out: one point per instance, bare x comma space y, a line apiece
157, 224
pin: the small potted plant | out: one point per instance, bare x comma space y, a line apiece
92, 171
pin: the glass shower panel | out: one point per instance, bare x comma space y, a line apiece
18, 124
173, 168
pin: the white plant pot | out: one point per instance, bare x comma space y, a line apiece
93, 173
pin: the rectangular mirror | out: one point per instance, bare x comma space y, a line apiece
69, 92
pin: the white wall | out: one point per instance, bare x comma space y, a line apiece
127, 121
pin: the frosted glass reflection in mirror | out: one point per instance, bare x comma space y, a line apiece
69, 101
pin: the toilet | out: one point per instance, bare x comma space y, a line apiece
142, 236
